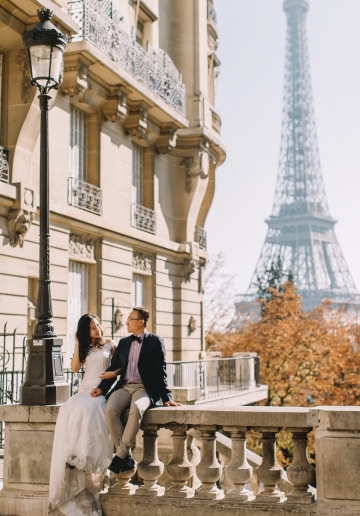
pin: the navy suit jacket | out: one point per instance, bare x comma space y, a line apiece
151, 365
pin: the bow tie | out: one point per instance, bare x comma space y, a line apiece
134, 337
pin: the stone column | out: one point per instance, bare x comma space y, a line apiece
179, 468
150, 468
239, 471
269, 472
209, 470
300, 472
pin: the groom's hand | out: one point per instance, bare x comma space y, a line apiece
172, 404
95, 392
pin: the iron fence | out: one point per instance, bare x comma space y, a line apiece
214, 377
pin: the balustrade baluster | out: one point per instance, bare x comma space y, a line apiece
179, 468
300, 473
269, 472
239, 471
150, 468
120, 483
209, 470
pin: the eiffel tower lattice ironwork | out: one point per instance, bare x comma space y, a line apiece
300, 228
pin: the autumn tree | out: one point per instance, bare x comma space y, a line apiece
273, 277
306, 358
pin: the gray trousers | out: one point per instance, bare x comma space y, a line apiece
135, 398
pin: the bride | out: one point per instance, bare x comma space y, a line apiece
82, 449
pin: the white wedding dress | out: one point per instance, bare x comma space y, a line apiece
81, 441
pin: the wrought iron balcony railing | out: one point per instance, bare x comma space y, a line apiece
100, 24
200, 237
216, 377
4, 165
84, 195
143, 218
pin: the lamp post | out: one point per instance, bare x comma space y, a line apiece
44, 382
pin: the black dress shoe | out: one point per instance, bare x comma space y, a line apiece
115, 465
118, 464
128, 463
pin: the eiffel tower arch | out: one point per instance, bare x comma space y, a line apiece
300, 228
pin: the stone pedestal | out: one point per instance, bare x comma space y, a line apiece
29, 432
337, 444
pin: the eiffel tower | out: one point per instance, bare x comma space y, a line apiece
300, 229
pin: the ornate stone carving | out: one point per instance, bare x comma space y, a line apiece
166, 141
192, 324
75, 82
82, 247
142, 262
23, 64
197, 166
189, 267
136, 123
115, 108
18, 223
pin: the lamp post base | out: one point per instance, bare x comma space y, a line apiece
44, 380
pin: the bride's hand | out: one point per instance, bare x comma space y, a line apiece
95, 392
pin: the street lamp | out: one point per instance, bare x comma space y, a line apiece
44, 382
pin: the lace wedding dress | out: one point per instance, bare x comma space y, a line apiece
82, 450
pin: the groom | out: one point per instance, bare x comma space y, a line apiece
142, 383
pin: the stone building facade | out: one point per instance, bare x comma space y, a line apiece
134, 144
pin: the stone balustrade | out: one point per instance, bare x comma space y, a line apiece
178, 478
336, 460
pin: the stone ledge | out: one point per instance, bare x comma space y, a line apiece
345, 418
252, 417
29, 414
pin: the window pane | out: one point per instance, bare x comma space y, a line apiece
78, 121
138, 290
77, 300
137, 174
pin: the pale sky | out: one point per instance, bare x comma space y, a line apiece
249, 100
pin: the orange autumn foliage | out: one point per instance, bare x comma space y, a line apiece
305, 358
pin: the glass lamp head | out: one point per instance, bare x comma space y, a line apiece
45, 46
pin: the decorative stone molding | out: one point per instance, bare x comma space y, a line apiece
23, 64
75, 81
189, 267
25, 197
197, 165
191, 262
192, 325
82, 248
115, 108
136, 123
118, 317
18, 223
166, 141
21, 215
187, 163
142, 262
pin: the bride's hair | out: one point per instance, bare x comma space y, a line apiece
83, 334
